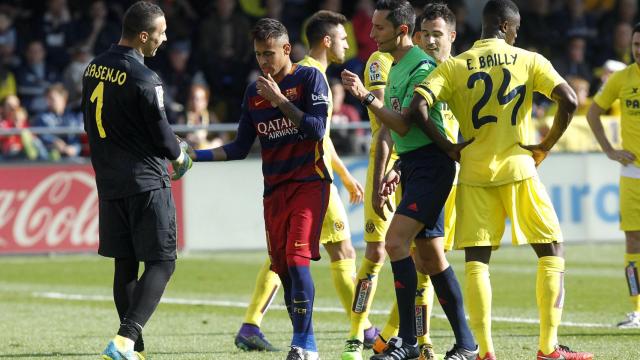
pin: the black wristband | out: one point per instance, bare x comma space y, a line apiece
368, 99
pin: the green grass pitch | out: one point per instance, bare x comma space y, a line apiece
207, 294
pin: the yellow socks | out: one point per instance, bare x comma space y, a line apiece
550, 298
123, 344
360, 302
631, 262
478, 301
342, 273
424, 305
267, 284
393, 323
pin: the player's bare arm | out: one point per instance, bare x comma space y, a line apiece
419, 112
388, 117
567, 102
384, 143
595, 123
355, 189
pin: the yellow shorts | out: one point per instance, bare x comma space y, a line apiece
450, 219
335, 227
374, 227
482, 212
629, 204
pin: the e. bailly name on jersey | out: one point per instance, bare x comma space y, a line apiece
106, 73
492, 60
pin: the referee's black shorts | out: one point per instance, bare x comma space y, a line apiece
142, 226
426, 177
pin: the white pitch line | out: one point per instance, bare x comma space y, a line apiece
236, 304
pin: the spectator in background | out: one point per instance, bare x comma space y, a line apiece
19, 146
573, 62
181, 15
625, 12
72, 76
537, 32
33, 78
178, 77
608, 68
345, 141
573, 21
8, 35
198, 114
466, 35
99, 29
581, 87
55, 29
226, 49
619, 48
57, 116
7, 81
362, 28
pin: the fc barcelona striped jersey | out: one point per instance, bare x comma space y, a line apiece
289, 153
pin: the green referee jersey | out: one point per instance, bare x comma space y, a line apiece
403, 78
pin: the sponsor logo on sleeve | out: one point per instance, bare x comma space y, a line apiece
374, 71
160, 96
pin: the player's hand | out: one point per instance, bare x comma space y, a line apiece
184, 146
268, 89
624, 157
538, 152
355, 189
455, 150
390, 183
352, 83
183, 163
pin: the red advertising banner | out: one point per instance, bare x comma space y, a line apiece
54, 208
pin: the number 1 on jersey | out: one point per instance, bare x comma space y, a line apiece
98, 94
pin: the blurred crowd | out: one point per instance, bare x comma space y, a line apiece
208, 59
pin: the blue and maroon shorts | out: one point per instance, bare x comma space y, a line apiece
293, 216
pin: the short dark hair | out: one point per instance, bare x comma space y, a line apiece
267, 28
139, 17
636, 28
321, 23
400, 13
439, 10
499, 11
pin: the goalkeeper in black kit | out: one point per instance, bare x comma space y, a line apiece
130, 138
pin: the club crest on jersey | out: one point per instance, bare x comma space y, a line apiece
370, 227
395, 104
338, 225
291, 94
374, 71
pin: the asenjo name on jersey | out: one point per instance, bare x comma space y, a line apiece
106, 73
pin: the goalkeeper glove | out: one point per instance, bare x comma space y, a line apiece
183, 163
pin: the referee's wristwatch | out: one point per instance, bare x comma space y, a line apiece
368, 99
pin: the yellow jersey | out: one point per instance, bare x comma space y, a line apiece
375, 78
489, 89
311, 62
625, 85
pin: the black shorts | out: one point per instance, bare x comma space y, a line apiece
426, 177
142, 226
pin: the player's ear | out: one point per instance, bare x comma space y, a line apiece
452, 36
143, 36
287, 49
404, 29
326, 41
504, 26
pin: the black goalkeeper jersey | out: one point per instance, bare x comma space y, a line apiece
124, 117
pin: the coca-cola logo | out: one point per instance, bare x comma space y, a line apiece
58, 211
